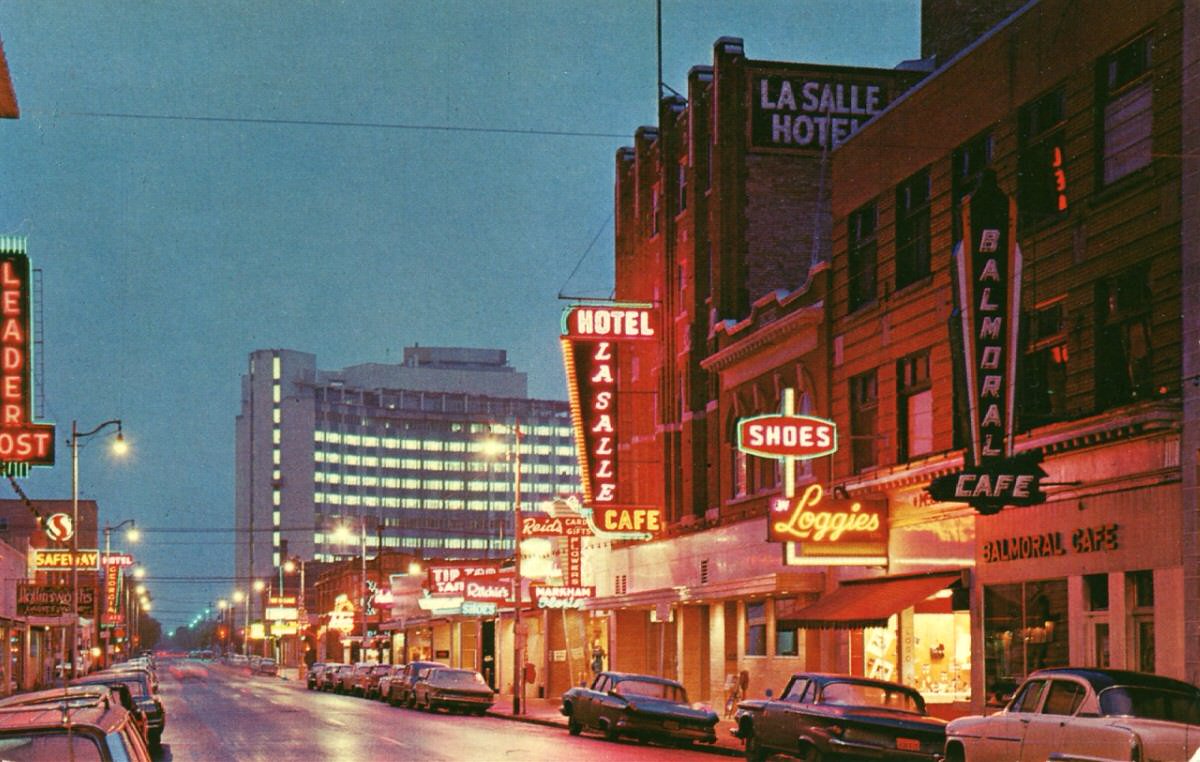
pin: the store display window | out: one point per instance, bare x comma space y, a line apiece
927, 646
1024, 629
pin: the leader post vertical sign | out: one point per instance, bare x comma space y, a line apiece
23, 443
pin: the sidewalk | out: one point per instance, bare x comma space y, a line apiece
546, 712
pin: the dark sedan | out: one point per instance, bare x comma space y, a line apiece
455, 690
638, 706
310, 679
822, 716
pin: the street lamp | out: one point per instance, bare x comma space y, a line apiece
344, 535
131, 535
518, 629
119, 448
238, 597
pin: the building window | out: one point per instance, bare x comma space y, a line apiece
914, 399
1123, 342
1044, 375
788, 633
1025, 628
1095, 594
682, 185
741, 474
1042, 167
1139, 587
966, 167
655, 208
862, 255
912, 229
864, 422
1126, 108
756, 629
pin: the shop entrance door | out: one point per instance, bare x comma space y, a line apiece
487, 649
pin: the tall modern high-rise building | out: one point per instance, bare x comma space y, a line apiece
417, 456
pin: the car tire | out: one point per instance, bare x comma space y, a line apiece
754, 752
811, 754
611, 733
574, 726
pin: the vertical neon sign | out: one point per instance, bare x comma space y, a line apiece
23, 443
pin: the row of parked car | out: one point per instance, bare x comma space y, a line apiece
258, 665
114, 714
428, 685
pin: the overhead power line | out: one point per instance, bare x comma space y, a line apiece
327, 123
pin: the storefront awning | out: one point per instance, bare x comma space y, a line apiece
869, 602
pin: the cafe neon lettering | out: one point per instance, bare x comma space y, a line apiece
804, 523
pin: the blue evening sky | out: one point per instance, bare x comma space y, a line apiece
199, 179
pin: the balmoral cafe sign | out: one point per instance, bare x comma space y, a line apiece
987, 273
591, 337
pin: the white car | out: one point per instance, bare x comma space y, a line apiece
1084, 714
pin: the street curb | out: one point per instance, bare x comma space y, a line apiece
709, 748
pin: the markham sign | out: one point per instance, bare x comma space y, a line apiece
23, 443
824, 531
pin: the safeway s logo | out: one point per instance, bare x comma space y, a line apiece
59, 527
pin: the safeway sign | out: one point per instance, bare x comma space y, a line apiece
787, 436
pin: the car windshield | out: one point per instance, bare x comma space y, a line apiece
1150, 703
866, 694
53, 745
458, 678
652, 689
382, 669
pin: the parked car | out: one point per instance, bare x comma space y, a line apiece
455, 690
267, 667
327, 680
1084, 713
370, 680
385, 682
824, 716
343, 679
314, 672
238, 660
80, 695
143, 694
400, 691
356, 682
640, 706
93, 728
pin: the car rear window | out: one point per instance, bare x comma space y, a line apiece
861, 694
651, 690
1150, 703
43, 746
458, 678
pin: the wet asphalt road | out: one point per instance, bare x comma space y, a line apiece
231, 716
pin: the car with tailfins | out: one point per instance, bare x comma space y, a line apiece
830, 716
637, 706
1069, 713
